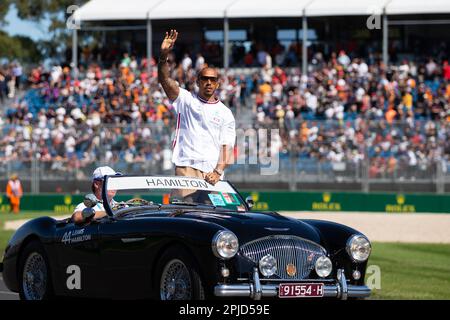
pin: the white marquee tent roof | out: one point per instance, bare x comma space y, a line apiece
347, 7
97, 10
418, 6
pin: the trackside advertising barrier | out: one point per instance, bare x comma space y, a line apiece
275, 201
351, 202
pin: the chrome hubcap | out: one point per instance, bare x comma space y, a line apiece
175, 282
34, 277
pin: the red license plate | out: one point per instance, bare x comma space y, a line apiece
300, 290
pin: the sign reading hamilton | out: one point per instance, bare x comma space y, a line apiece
174, 183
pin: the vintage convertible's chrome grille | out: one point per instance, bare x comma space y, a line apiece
289, 251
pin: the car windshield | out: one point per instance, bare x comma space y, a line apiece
128, 191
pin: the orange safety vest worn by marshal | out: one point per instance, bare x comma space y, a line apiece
14, 188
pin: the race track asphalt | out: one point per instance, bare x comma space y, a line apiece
5, 294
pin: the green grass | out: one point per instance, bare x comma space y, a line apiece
23, 215
412, 271
5, 235
4, 238
408, 271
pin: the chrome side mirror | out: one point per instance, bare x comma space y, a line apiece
90, 200
250, 202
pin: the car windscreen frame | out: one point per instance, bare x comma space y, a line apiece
106, 178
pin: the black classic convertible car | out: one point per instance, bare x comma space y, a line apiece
182, 238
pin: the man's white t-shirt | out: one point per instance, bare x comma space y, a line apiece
202, 128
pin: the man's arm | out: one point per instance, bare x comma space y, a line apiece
169, 85
225, 158
77, 216
227, 140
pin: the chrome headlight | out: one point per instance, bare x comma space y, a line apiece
225, 244
359, 248
268, 265
323, 266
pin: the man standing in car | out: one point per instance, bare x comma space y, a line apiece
205, 131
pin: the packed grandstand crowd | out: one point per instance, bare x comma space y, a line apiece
347, 110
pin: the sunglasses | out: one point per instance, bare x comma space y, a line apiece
205, 78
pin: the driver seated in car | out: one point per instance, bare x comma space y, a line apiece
97, 186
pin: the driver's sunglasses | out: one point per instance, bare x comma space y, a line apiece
205, 78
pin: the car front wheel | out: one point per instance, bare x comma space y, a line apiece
178, 276
34, 273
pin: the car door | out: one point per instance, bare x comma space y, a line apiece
124, 257
77, 248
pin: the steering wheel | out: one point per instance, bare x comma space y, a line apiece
135, 202
118, 206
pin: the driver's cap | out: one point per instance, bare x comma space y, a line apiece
100, 172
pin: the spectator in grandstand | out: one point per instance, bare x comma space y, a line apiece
199, 62
446, 71
17, 71
107, 111
343, 58
7, 81
3, 87
97, 186
186, 63
205, 128
14, 192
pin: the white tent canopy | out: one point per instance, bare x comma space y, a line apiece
176, 9
105, 10
342, 8
266, 8
418, 6
98, 10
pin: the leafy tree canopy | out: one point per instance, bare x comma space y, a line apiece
38, 10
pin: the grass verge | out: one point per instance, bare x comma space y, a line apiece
412, 271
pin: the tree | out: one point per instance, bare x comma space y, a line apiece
4, 8
39, 10
19, 47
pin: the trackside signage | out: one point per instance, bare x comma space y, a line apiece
133, 183
264, 200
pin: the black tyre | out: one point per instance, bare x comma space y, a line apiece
177, 276
34, 273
